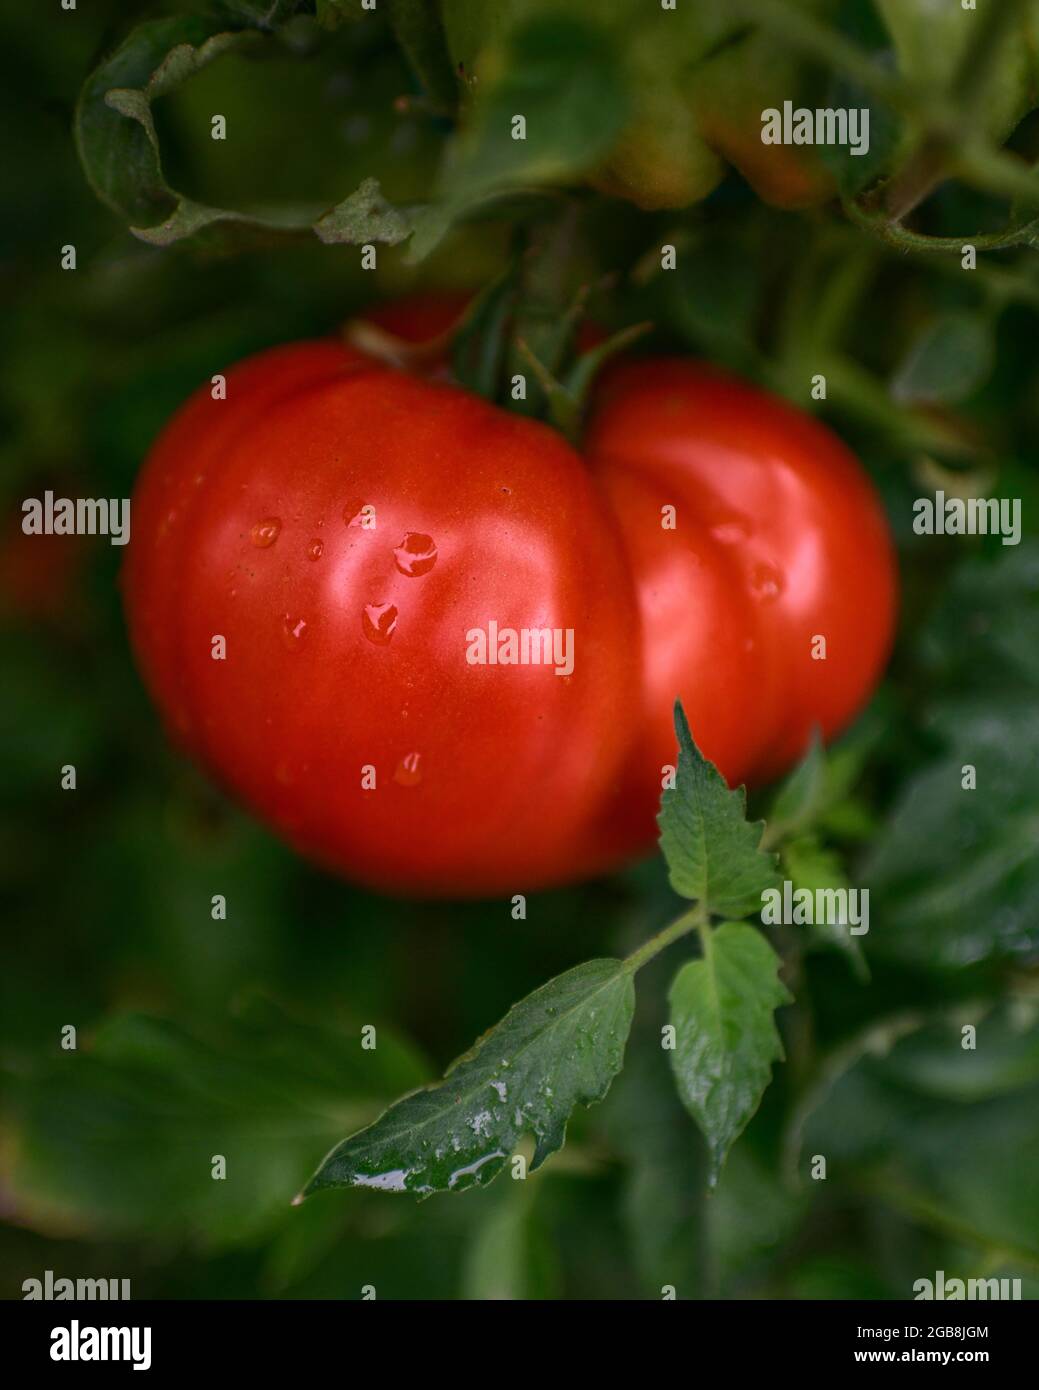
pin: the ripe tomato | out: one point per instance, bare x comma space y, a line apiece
346, 645
346, 528
770, 607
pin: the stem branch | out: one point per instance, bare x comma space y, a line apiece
693, 920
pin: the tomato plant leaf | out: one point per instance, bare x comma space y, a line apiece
115, 133
950, 359
713, 852
120, 152
954, 870
811, 865
722, 1009
664, 1200
364, 216
564, 78
562, 1044
420, 34
145, 1105
802, 796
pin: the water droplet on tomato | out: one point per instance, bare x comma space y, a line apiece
766, 583
315, 550
265, 532
379, 622
416, 554
354, 514
293, 630
731, 532
408, 772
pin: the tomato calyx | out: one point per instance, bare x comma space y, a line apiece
527, 342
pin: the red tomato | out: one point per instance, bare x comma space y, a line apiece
346, 647
344, 703
770, 607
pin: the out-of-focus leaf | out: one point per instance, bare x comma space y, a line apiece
119, 147
812, 866
563, 76
753, 1215
950, 359
119, 1136
420, 33
712, 850
1005, 1057
723, 1011
954, 872
664, 1200
713, 295
985, 631
508, 1257
562, 1044
955, 1156
801, 797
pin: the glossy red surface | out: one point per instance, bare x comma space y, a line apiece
346, 642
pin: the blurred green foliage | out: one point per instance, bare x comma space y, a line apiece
241, 1037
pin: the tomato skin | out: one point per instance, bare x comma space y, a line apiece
493, 778
487, 776
789, 514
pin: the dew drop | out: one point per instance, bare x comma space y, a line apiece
416, 554
265, 532
731, 532
353, 513
408, 772
293, 630
379, 622
315, 550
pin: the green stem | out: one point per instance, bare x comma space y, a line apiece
693, 920
894, 234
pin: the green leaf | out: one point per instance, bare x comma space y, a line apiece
712, 850
950, 359
722, 1010
993, 602
1005, 1058
364, 216
954, 872
564, 77
802, 796
119, 148
509, 1257
663, 1206
118, 1138
562, 1044
946, 1135
416, 23
116, 138
811, 865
